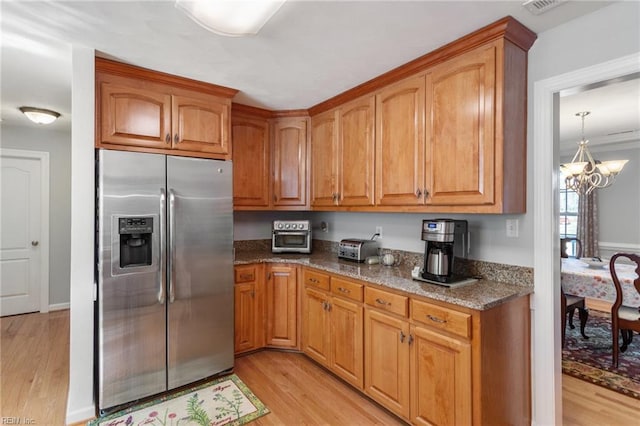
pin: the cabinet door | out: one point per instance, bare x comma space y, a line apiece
315, 325
400, 143
201, 125
282, 306
356, 158
441, 380
137, 117
324, 152
251, 182
347, 332
386, 355
245, 317
462, 144
290, 162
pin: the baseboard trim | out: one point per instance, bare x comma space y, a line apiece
81, 416
59, 306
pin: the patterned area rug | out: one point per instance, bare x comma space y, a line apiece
225, 401
590, 360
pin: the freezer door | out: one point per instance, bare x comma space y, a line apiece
131, 323
200, 261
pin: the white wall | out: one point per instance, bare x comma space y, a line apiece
620, 203
80, 405
58, 145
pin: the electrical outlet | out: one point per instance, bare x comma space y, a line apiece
512, 228
379, 232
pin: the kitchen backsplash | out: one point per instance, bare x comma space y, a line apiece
519, 275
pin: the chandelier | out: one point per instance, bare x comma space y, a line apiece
584, 174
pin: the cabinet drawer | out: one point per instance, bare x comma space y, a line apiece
347, 289
386, 301
244, 274
315, 279
441, 318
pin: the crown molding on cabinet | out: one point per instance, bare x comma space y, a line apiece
240, 109
125, 70
507, 28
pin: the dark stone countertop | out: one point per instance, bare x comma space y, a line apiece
481, 295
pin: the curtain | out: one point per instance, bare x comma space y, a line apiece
588, 224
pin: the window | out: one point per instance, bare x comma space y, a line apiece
568, 215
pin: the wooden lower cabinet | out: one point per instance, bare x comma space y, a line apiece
440, 369
282, 306
429, 362
249, 308
332, 324
386, 356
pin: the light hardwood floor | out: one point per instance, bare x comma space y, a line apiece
34, 359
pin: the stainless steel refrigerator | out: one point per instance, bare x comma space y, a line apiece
164, 273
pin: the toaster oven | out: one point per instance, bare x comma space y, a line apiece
291, 236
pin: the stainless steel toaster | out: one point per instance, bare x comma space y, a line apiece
356, 249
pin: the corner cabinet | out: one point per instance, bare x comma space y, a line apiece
143, 110
270, 160
289, 157
251, 161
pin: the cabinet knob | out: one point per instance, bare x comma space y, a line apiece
402, 336
418, 193
426, 194
35, 243
167, 138
176, 139
410, 341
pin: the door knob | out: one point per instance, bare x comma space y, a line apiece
35, 243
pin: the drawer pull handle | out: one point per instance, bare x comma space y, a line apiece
410, 341
383, 302
246, 277
313, 280
402, 336
436, 319
344, 290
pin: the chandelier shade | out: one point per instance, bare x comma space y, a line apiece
584, 174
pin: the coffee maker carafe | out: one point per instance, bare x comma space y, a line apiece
444, 239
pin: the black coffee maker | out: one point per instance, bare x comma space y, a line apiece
444, 239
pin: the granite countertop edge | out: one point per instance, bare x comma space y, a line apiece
481, 295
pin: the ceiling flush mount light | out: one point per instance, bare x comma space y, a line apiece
230, 17
584, 174
40, 115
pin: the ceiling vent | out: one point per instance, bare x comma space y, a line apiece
538, 7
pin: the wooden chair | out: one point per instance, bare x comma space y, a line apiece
624, 319
563, 247
570, 303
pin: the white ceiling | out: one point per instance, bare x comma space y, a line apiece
308, 52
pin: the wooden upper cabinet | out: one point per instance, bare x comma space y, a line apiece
143, 110
324, 158
135, 117
400, 143
200, 125
251, 154
289, 156
356, 156
461, 141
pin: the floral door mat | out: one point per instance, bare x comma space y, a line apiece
225, 401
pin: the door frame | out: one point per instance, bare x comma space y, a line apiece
43, 157
547, 349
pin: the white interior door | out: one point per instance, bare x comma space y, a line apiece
24, 196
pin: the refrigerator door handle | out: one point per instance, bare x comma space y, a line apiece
161, 226
171, 252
